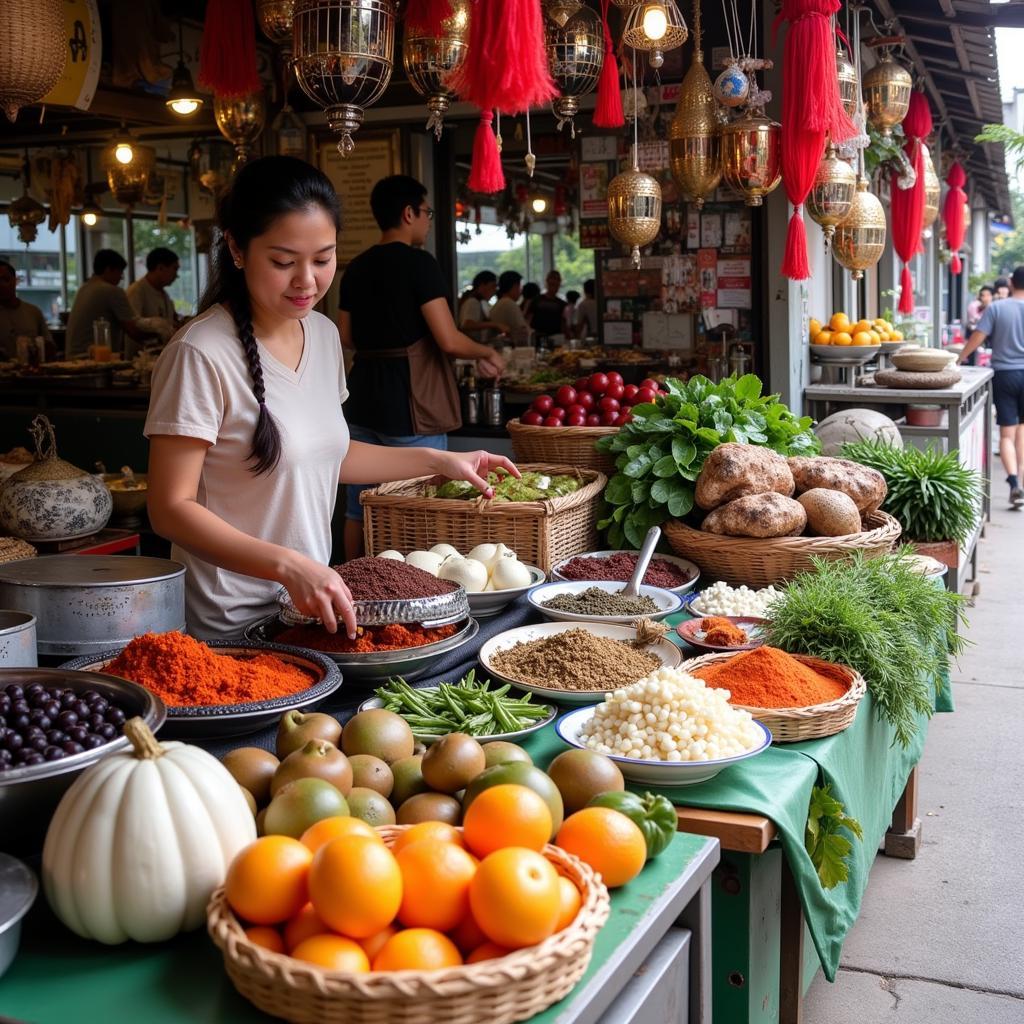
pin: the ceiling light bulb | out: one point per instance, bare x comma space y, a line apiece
184, 107
655, 22
89, 219
123, 153
540, 204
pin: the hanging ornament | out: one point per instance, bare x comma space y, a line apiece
575, 54
694, 142
275, 18
227, 52
608, 111
240, 119
430, 60
751, 156
907, 203
485, 173
829, 201
846, 76
530, 159
953, 214
887, 88
560, 11
26, 214
860, 239
932, 191
634, 209
655, 26
128, 180
33, 50
732, 86
343, 58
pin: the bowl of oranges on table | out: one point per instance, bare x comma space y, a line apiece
840, 340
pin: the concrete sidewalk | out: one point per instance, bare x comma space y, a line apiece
940, 940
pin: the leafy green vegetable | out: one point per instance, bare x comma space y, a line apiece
932, 495
660, 453
533, 486
828, 849
879, 616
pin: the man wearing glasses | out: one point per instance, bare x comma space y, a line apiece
394, 313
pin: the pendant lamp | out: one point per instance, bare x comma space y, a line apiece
430, 60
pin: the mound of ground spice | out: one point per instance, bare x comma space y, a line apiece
184, 672
719, 631
369, 639
595, 601
383, 579
769, 678
621, 566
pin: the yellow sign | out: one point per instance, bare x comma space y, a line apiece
77, 86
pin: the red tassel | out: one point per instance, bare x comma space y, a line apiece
953, 213
608, 112
794, 261
506, 64
906, 291
955, 265
428, 15
227, 55
486, 174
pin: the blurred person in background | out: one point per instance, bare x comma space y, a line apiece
586, 312
17, 317
102, 296
474, 308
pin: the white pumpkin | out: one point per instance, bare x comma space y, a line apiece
141, 839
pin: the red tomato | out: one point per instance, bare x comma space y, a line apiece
552, 421
586, 399
645, 394
576, 419
576, 410
542, 404
558, 412
629, 394
614, 378
582, 383
565, 396
608, 418
531, 418
609, 404
615, 390
647, 382
622, 419
593, 420
598, 383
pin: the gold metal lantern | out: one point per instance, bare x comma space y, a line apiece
932, 190
655, 26
695, 147
343, 58
129, 180
275, 18
887, 89
26, 214
831, 196
860, 238
575, 55
560, 11
429, 62
634, 209
240, 120
846, 73
752, 156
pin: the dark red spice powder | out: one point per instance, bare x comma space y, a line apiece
620, 566
384, 579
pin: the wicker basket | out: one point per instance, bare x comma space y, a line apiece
572, 446
397, 516
758, 561
791, 725
514, 987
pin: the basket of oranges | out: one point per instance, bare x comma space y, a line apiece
840, 340
407, 924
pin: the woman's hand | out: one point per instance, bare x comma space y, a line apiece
493, 366
471, 466
318, 591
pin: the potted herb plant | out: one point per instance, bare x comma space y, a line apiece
936, 499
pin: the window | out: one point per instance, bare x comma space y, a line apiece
148, 235
38, 264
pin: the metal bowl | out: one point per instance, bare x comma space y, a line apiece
210, 720
845, 355
683, 563
442, 610
29, 795
18, 890
668, 601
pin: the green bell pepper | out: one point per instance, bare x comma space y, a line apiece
653, 813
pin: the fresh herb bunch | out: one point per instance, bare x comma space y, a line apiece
661, 451
932, 495
828, 849
879, 616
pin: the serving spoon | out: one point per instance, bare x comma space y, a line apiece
643, 560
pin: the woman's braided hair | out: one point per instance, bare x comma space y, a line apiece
261, 192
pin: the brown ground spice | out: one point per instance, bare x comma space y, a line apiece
382, 579
575, 660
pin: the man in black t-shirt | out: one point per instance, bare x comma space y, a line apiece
548, 308
393, 296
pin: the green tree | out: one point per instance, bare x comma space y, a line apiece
575, 265
1008, 248
148, 235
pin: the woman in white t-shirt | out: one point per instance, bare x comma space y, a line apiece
248, 442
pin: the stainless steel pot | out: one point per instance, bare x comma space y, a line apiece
87, 604
17, 640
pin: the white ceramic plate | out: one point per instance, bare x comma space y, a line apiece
656, 773
668, 601
683, 563
669, 654
485, 603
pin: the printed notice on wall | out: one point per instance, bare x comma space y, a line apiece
734, 284
593, 190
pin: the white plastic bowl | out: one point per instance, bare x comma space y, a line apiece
668, 601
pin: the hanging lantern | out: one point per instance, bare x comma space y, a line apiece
26, 214
860, 238
655, 26
829, 201
732, 86
887, 88
695, 146
634, 209
240, 119
33, 50
129, 181
430, 60
932, 190
752, 156
847, 76
343, 58
275, 20
575, 54
560, 11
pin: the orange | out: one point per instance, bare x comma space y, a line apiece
813, 328
487, 951
515, 897
842, 338
375, 943
427, 830
266, 883
839, 322
863, 338
267, 937
823, 337
355, 885
606, 840
570, 902
468, 935
305, 924
417, 949
333, 952
327, 829
876, 338
861, 325
506, 815
435, 884
895, 335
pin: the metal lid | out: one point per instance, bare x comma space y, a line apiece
89, 570
18, 888
429, 612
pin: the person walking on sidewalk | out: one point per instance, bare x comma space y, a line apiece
1003, 324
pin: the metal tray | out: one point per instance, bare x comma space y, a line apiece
429, 612
845, 355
